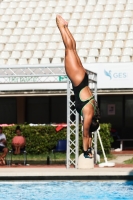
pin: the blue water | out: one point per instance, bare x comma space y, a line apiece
67, 190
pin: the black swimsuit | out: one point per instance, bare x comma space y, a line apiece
79, 104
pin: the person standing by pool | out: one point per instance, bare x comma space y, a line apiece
84, 100
3, 147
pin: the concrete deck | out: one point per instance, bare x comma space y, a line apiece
61, 173
121, 171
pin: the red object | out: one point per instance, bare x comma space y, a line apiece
113, 130
60, 127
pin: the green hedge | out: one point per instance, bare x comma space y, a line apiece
41, 139
106, 138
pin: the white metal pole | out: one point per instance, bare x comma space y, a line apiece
105, 158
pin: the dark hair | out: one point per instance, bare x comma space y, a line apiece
18, 128
95, 120
94, 125
0, 127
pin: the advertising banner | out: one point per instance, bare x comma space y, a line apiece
109, 76
113, 75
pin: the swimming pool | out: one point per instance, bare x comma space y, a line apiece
67, 190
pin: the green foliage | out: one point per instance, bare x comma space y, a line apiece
42, 139
130, 161
39, 139
106, 138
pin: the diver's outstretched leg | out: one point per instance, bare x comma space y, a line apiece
74, 69
74, 45
66, 39
72, 39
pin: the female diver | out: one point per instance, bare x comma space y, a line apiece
84, 100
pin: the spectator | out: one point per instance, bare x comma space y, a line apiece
3, 147
18, 142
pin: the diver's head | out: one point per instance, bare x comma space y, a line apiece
94, 125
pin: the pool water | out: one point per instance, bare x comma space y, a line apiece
67, 190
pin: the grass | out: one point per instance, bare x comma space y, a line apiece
39, 159
130, 161
59, 158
